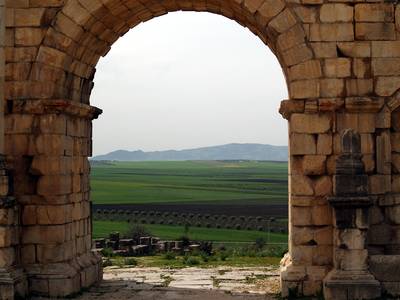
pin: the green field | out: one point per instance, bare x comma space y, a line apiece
208, 182
104, 228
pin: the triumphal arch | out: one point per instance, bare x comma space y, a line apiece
341, 59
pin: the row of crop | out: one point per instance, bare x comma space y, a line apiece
195, 220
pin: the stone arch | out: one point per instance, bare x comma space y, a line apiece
79, 35
341, 66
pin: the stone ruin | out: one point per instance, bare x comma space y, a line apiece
145, 246
341, 60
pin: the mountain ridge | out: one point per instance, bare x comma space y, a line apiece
232, 151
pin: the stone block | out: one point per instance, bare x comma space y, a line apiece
396, 183
268, 10
385, 48
387, 86
396, 163
296, 55
304, 89
385, 267
53, 214
362, 67
28, 254
359, 87
43, 234
323, 186
314, 164
292, 37
323, 235
355, 49
312, 287
331, 32
374, 12
331, 87
337, 67
375, 215
7, 257
283, 21
386, 66
301, 216
53, 145
53, 124
306, 14
306, 70
353, 239
310, 123
63, 287
336, 12
363, 123
302, 235
324, 49
54, 185
26, 17
395, 141
383, 153
375, 31
29, 215
301, 185
321, 215
379, 234
322, 255
54, 252
324, 144
393, 214
391, 288
28, 36
351, 260
367, 144
302, 144
379, 184
302, 255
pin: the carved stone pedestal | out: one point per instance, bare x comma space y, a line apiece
12, 283
350, 279
12, 278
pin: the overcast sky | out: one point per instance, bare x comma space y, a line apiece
188, 80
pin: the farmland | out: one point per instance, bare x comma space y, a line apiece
103, 228
207, 183
219, 200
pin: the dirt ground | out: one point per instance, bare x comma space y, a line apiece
186, 284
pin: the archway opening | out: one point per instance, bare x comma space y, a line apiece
191, 81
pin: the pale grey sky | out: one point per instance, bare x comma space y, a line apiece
188, 80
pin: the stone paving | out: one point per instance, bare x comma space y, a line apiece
223, 283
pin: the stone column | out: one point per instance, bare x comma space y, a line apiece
2, 71
12, 279
350, 278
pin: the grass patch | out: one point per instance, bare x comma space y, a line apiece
189, 181
103, 229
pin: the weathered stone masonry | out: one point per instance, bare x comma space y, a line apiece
341, 59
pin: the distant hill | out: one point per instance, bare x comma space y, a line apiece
223, 152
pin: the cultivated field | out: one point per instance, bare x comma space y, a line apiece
215, 187
220, 200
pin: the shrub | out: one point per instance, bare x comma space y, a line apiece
223, 255
204, 256
130, 261
185, 241
259, 243
169, 256
206, 247
107, 252
191, 261
137, 231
